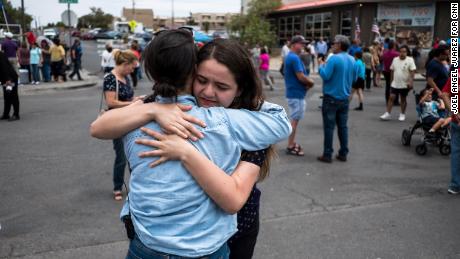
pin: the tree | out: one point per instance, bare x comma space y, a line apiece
13, 15
206, 26
96, 19
254, 27
191, 20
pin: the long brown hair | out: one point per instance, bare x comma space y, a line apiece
237, 59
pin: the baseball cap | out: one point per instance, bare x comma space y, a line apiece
8, 34
298, 39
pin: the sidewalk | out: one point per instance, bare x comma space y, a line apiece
275, 64
88, 81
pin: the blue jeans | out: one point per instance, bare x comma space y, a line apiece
119, 165
137, 250
455, 155
46, 72
335, 112
35, 73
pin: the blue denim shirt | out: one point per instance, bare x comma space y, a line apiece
171, 213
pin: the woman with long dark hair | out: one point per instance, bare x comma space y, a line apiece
227, 133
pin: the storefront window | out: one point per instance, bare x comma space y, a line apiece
317, 25
288, 27
345, 23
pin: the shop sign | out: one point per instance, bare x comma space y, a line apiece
412, 14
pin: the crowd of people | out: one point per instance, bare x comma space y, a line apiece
348, 68
43, 60
32, 61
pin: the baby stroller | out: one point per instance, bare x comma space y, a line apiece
440, 139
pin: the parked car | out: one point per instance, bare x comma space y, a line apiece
87, 36
76, 34
220, 34
198, 36
111, 35
50, 33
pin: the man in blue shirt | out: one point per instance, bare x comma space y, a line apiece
297, 84
338, 74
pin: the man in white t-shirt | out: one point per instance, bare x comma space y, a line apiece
402, 81
284, 52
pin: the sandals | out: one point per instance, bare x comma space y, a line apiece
117, 195
296, 150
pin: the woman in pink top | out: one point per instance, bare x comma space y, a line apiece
264, 66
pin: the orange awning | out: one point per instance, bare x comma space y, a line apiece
312, 4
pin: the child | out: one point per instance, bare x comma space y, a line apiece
358, 86
429, 111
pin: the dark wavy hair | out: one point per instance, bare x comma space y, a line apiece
169, 60
237, 59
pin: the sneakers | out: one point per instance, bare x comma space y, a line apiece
453, 190
402, 117
386, 116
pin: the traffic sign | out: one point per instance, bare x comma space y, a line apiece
68, 1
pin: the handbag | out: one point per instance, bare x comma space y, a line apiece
103, 110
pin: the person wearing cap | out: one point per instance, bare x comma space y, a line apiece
338, 74
297, 84
10, 48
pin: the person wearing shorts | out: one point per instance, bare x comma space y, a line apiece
297, 83
296, 108
402, 74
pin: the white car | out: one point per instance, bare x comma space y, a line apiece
49, 33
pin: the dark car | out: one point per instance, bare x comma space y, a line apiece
87, 36
76, 34
109, 35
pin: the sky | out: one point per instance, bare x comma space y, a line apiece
46, 11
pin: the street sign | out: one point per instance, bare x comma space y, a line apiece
68, 1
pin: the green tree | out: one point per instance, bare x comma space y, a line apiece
206, 26
13, 15
190, 20
96, 19
254, 27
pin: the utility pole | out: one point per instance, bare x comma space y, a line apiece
172, 14
134, 10
70, 25
23, 21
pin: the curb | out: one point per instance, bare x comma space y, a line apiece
69, 85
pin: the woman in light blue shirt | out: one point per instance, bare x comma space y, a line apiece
35, 60
170, 211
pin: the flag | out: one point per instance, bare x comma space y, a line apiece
357, 30
375, 28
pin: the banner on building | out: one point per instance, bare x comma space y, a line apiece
410, 24
412, 14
